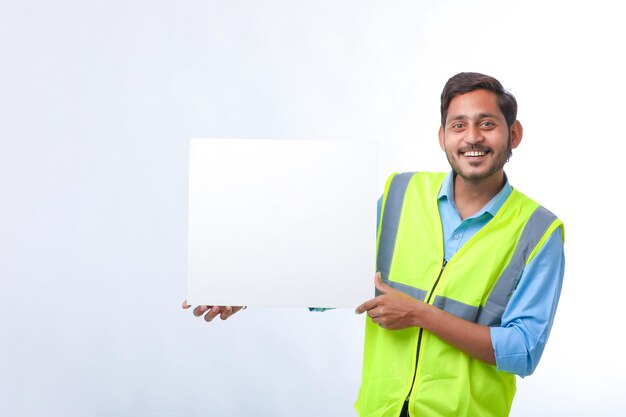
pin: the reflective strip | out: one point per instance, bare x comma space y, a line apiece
457, 308
536, 227
389, 232
467, 312
407, 289
391, 222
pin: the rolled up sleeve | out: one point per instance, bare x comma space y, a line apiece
527, 320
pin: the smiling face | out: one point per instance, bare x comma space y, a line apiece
476, 138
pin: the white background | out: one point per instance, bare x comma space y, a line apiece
98, 101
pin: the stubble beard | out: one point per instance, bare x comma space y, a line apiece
497, 165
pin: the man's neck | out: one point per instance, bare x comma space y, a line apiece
470, 196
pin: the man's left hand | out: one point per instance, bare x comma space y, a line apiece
392, 309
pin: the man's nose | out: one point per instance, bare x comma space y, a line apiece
474, 135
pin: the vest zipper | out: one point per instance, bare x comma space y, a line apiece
419, 337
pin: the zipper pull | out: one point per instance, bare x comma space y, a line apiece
445, 262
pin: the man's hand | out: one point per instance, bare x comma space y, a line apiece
210, 312
392, 309
395, 310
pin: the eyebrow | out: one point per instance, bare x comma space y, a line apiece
480, 116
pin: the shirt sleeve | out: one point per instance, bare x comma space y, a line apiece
521, 338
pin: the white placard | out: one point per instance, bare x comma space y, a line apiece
281, 223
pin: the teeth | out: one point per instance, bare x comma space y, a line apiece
475, 153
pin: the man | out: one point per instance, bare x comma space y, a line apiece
470, 272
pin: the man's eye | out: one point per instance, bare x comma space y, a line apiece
457, 126
488, 124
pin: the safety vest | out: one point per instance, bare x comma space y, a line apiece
475, 284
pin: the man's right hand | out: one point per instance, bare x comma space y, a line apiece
210, 312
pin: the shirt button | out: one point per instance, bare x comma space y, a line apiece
456, 236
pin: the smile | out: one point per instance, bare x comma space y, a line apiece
474, 153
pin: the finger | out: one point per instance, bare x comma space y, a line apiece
380, 285
185, 305
226, 312
236, 309
366, 306
377, 319
200, 310
375, 313
213, 312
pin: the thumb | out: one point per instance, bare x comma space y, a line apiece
380, 285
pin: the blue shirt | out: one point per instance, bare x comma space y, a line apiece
519, 341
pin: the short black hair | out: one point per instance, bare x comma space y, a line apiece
465, 82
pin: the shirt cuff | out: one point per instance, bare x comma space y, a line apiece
510, 351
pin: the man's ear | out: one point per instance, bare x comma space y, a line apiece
517, 131
442, 142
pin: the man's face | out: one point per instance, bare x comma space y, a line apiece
476, 138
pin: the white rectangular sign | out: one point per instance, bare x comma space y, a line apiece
281, 223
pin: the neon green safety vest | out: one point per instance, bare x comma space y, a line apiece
475, 284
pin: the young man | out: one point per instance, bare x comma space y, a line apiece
470, 272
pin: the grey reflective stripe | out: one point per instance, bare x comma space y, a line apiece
536, 227
389, 232
457, 308
391, 222
407, 289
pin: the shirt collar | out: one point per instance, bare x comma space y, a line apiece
447, 192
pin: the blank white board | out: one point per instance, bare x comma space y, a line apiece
281, 223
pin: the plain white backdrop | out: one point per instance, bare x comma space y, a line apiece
98, 101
